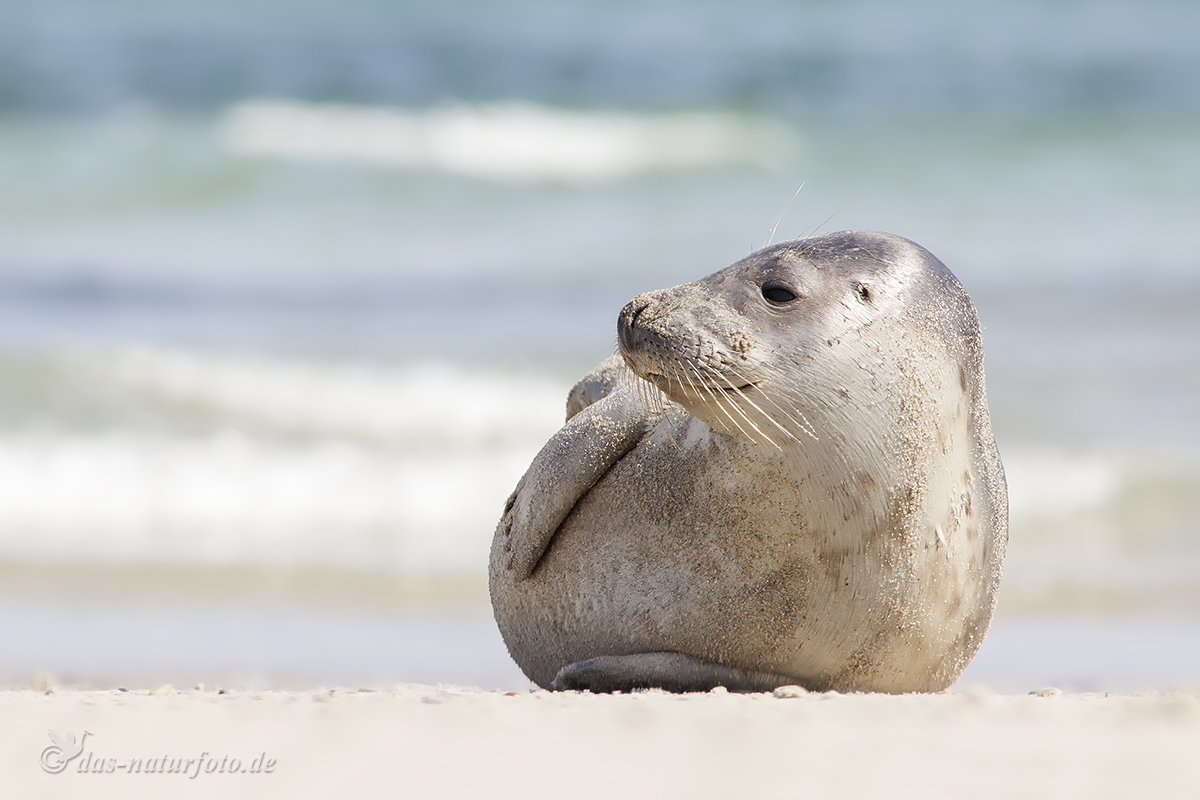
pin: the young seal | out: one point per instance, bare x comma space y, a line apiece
800, 486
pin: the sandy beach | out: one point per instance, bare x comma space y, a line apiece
426, 741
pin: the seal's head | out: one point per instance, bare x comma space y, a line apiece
766, 350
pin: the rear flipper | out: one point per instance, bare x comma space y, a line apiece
673, 672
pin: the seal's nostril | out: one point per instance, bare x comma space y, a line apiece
638, 309
634, 309
628, 319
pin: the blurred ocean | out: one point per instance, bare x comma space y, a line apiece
297, 289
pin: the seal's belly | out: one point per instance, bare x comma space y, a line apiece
713, 561
720, 559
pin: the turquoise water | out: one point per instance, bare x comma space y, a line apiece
299, 284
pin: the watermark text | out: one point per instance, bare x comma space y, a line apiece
67, 752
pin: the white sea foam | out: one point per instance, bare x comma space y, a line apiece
1115, 518
232, 499
277, 461
506, 141
266, 460
436, 403
1044, 484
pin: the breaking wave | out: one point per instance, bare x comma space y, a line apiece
512, 142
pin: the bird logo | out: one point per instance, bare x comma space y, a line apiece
56, 757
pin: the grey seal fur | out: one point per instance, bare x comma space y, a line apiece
789, 477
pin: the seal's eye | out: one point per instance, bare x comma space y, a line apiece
774, 293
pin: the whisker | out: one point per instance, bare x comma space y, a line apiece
745, 416
713, 397
802, 422
813, 231
649, 396
772, 419
720, 398
720, 406
775, 227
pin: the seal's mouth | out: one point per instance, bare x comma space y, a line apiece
732, 389
667, 384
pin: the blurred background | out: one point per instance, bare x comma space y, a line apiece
291, 293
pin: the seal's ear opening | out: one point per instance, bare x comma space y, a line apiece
862, 289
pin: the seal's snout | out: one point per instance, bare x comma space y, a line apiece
627, 322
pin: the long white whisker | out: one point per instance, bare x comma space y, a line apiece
790, 399
746, 416
649, 396
813, 231
802, 423
720, 406
716, 401
720, 398
767, 416
775, 227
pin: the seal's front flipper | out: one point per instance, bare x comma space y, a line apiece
568, 466
673, 672
610, 375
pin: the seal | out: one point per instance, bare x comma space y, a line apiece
788, 477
